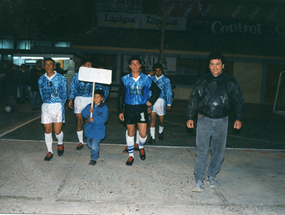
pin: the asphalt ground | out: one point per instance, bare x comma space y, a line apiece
251, 180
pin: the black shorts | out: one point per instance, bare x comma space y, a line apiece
135, 114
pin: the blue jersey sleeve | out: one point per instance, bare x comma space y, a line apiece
74, 87
168, 91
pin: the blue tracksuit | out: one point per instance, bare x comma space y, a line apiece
95, 131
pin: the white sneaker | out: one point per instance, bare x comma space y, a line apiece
198, 186
212, 182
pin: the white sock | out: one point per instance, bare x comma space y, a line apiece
80, 136
59, 138
142, 142
137, 137
152, 132
130, 144
48, 140
160, 129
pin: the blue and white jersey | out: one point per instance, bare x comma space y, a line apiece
103, 87
84, 89
53, 89
80, 88
166, 90
137, 91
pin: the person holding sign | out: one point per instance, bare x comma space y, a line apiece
53, 91
94, 130
133, 105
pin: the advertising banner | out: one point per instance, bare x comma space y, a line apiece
142, 21
168, 64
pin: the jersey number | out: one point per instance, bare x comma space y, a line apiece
142, 117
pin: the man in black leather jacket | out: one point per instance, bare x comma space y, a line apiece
212, 98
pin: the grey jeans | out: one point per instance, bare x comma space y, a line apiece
214, 131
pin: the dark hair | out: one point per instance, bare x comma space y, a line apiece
100, 92
85, 60
49, 59
218, 56
135, 57
39, 61
100, 65
157, 65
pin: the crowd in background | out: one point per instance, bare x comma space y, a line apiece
19, 85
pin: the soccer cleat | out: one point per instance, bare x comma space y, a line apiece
151, 141
130, 161
198, 187
136, 147
48, 156
160, 136
60, 150
79, 146
125, 150
92, 162
142, 154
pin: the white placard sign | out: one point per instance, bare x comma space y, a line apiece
102, 76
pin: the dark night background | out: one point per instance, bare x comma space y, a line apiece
75, 21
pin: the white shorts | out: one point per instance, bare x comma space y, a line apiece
80, 103
158, 107
51, 112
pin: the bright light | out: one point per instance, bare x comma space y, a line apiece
31, 57
61, 58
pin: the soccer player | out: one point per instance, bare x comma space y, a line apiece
53, 91
162, 104
133, 102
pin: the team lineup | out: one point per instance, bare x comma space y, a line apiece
141, 97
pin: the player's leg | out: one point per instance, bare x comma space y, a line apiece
46, 120
142, 139
79, 104
152, 127
59, 136
136, 145
130, 143
161, 127
79, 130
48, 141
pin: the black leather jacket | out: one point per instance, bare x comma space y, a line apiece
213, 97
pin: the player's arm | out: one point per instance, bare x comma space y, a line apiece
73, 90
121, 101
168, 93
155, 94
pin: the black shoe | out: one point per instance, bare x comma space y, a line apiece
142, 154
160, 136
130, 161
48, 156
79, 146
136, 147
125, 151
151, 141
92, 162
60, 150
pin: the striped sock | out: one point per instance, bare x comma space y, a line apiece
142, 142
130, 144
